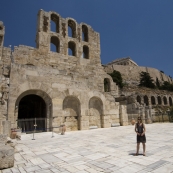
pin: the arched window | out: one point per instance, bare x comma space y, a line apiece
71, 29
170, 101
153, 101
85, 52
146, 100
106, 85
84, 33
54, 23
165, 100
55, 45
159, 100
138, 98
71, 48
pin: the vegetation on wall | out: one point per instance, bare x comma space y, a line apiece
166, 86
117, 78
146, 80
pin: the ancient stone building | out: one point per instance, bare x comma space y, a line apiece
62, 81
130, 71
49, 88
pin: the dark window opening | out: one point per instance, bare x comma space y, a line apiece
153, 102
85, 52
146, 100
55, 45
71, 29
84, 33
170, 101
139, 99
54, 23
165, 100
159, 100
71, 48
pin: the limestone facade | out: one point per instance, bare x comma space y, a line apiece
66, 88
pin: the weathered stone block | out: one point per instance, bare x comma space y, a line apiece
6, 157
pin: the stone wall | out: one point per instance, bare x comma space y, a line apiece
71, 86
5, 62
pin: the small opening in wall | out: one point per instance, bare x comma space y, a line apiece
54, 23
85, 52
55, 45
71, 49
84, 33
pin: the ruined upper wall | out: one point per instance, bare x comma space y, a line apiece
86, 51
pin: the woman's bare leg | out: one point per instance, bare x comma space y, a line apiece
144, 148
137, 148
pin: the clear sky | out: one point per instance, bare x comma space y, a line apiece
141, 29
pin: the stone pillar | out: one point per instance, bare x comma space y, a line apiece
106, 121
123, 115
6, 127
84, 122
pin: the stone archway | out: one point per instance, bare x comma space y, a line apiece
153, 100
138, 98
170, 101
34, 107
95, 112
146, 101
72, 107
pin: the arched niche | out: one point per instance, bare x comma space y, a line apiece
72, 107
153, 101
138, 98
165, 100
159, 100
146, 101
170, 101
96, 112
107, 87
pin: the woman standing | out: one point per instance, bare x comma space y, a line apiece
140, 130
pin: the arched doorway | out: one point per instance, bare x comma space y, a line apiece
31, 111
95, 112
72, 119
34, 107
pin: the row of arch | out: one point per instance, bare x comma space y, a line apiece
71, 28
155, 100
55, 47
31, 106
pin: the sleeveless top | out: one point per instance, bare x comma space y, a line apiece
139, 128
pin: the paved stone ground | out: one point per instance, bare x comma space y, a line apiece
107, 150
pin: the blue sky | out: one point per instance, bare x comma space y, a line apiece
141, 29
